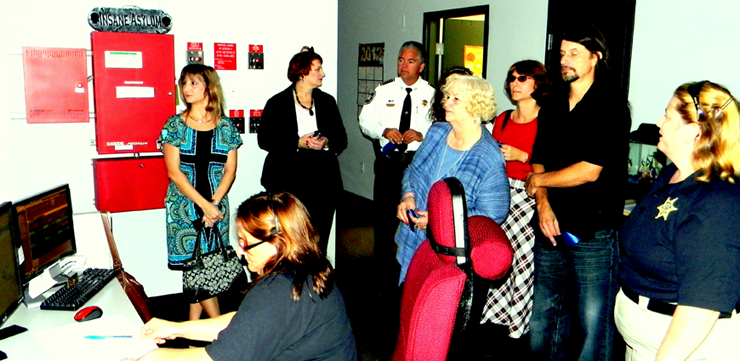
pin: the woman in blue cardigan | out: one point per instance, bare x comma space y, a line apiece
461, 148
303, 133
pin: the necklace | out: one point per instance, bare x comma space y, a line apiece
199, 121
441, 162
310, 110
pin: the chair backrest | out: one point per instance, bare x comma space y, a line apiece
438, 307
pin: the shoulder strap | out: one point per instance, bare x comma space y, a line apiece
111, 242
506, 118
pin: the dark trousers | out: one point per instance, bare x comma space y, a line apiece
387, 196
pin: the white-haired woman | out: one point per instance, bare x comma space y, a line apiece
461, 148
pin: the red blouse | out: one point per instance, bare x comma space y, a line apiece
519, 136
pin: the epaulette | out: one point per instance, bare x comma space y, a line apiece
388, 81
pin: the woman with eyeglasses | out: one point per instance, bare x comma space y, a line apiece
680, 267
526, 85
292, 310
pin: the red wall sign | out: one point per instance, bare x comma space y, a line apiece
224, 56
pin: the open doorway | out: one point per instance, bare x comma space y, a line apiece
456, 37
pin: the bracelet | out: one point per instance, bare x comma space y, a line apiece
217, 204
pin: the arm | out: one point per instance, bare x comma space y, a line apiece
176, 354
332, 126
172, 163
228, 178
159, 330
548, 221
278, 130
371, 122
571, 176
688, 329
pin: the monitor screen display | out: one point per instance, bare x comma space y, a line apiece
45, 229
11, 291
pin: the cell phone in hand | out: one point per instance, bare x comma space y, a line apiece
316, 134
411, 213
569, 239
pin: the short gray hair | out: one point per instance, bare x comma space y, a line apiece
414, 45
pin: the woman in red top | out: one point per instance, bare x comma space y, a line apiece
526, 85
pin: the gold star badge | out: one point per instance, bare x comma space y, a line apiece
424, 103
666, 208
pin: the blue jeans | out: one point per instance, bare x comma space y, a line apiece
570, 279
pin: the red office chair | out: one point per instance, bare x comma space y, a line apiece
439, 307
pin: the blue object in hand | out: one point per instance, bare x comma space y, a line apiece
389, 148
570, 239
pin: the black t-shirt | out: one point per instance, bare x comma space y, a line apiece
269, 325
681, 244
595, 131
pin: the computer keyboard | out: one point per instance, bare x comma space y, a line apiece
70, 298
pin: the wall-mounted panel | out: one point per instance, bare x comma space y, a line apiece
134, 84
56, 85
130, 184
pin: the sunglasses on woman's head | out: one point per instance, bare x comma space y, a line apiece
520, 78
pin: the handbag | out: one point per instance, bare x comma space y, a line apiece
134, 290
205, 275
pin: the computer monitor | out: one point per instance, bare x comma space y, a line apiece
45, 230
11, 290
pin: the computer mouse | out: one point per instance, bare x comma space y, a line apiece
88, 313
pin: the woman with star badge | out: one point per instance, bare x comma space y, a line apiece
680, 266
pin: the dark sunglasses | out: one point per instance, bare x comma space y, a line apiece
520, 78
247, 248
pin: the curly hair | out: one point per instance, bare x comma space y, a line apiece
283, 221
715, 110
438, 109
477, 95
536, 70
300, 63
216, 102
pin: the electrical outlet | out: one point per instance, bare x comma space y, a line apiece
362, 167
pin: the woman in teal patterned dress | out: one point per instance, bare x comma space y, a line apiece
200, 149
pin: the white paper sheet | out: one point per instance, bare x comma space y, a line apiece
68, 341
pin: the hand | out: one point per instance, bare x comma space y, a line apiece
393, 135
513, 154
411, 135
211, 214
408, 202
422, 221
548, 223
303, 142
159, 330
317, 143
530, 184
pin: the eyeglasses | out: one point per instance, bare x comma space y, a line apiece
520, 78
247, 248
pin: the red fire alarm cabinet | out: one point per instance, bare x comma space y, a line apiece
130, 184
134, 86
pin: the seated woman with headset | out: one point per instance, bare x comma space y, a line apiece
292, 310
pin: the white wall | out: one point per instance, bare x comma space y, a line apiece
677, 42
517, 32
37, 157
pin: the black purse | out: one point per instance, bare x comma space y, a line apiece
206, 275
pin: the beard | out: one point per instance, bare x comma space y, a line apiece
569, 78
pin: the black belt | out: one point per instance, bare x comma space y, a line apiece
662, 307
404, 157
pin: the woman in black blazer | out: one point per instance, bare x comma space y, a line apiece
303, 133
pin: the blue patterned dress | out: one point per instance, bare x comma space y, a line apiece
203, 155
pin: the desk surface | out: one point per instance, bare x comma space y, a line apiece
28, 345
